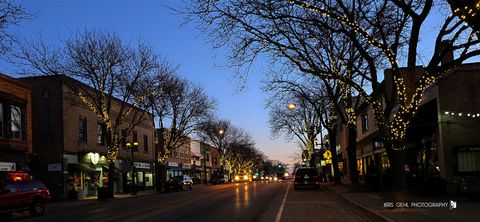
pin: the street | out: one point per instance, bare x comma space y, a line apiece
255, 201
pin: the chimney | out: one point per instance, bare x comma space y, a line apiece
448, 55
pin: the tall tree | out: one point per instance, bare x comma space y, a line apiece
290, 32
222, 133
113, 78
178, 109
11, 13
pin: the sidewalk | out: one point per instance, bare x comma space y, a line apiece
374, 202
92, 201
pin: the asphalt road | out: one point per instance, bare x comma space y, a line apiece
255, 201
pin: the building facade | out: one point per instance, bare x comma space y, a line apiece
69, 140
17, 161
442, 142
179, 160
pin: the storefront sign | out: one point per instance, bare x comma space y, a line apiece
141, 165
94, 157
172, 164
7, 166
54, 167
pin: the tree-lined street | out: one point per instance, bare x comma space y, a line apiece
254, 201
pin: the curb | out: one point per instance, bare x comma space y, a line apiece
380, 216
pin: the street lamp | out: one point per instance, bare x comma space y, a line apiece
129, 146
291, 106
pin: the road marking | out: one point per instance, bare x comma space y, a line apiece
280, 211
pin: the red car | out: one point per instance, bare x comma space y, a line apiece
24, 195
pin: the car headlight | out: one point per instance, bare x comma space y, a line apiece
237, 177
245, 177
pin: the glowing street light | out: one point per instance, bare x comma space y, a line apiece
291, 106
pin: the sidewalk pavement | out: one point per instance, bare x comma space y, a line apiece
374, 202
93, 201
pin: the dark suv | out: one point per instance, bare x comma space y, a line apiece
306, 176
18, 196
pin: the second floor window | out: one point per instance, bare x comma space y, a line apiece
82, 129
101, 134
124, 139
365, 121
16, 121
145, 143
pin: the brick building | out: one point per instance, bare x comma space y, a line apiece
69, 141
16, 157
443, 146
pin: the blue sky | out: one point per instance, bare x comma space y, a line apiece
182, 46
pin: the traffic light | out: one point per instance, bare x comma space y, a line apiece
279, 165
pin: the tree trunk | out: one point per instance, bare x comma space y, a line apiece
111, 179
333, 141
398, 177
352, 154
162, 176
111, 163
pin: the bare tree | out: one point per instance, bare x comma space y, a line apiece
221, 133
11, 13
112, 79
291, 33
178, 109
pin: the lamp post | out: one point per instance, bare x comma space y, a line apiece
129, 146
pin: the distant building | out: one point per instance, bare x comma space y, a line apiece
17, 161
179, 160
69, 141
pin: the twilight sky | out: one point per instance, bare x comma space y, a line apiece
183, 46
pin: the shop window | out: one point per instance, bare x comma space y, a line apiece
145, 143
468, 160
82, 129
16, 122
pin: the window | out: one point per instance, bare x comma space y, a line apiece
145, 143
17, 123
82, 129
1, 120
101, 134
124, 139
10, 188
365, 121
25, 186
135, 137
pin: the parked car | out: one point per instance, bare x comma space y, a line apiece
174, 184
31, 195
187, 181
219, 179
306, 176
179, 183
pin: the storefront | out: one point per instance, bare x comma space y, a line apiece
174, 169
87, 172
144, 173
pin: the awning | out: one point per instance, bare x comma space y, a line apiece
82, 167
195, 154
